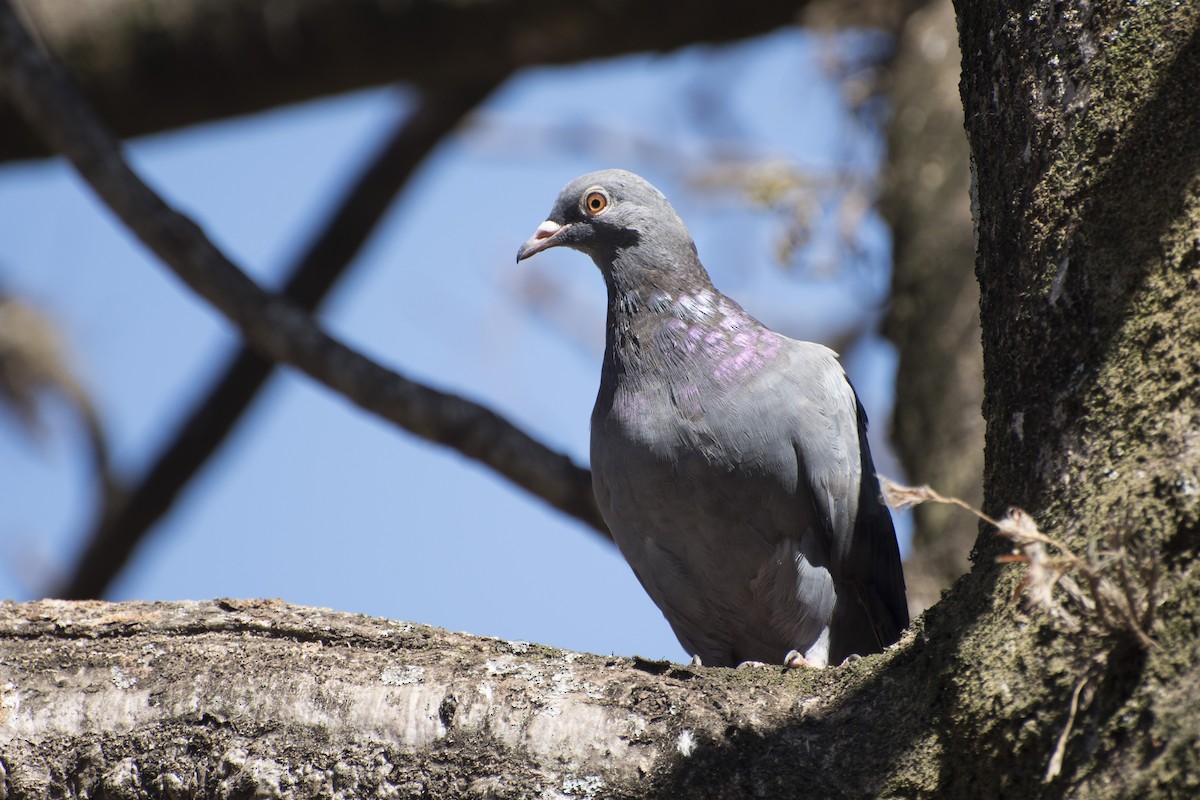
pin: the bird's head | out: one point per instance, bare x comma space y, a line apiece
617, 218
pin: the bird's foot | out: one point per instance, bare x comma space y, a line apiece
695, 663
752, 665
795, 660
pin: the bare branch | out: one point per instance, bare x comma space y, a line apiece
150, 65
273, 325
129, 516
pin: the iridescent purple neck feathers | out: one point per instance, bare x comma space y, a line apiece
698, 337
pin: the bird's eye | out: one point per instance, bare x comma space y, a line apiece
595, 202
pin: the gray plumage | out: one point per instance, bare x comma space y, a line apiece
730, 462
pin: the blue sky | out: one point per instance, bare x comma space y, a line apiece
315, 502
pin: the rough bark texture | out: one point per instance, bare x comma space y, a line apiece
233, 699
1085, 141
149, 65
933, 318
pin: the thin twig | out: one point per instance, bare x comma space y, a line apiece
1054, 768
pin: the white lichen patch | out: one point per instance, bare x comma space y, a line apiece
401, 674
506, 665
686, 743
122, 679
593, 690
122, 778
587, 786
564, 682
8, 699
152, 651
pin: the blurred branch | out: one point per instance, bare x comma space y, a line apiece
32, 362
814, 207
933, 317
824, 205
128, 516
151, 65
276, 327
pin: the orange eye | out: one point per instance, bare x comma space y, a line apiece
595, 202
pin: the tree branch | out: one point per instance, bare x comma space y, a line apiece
150, 65
274, 326
129, 514
232, 698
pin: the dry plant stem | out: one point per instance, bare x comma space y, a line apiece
1054, 768
272, 325
1106, 597
901, 497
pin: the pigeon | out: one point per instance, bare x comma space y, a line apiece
729, 461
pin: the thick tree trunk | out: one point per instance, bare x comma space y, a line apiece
1084, 129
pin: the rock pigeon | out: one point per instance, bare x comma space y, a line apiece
730, 462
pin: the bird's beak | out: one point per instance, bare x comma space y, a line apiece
543, 237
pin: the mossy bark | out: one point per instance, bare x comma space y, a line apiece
1085, 140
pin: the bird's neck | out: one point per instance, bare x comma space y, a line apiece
667, 325
641, 299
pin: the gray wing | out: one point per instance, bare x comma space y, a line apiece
808, 509
835, 464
